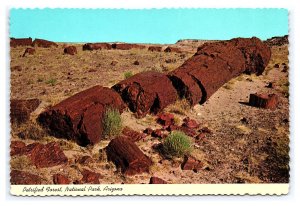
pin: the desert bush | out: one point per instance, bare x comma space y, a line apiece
177, 144
112, 122
181, 107
128, 74
51, 81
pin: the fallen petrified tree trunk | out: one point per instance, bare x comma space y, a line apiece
80, 117
147, 92
127, 156
96, 46
20, 109
216, 63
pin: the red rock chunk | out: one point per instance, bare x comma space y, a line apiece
80, 116
190, 123
266, 101
29, 51
127, 156
165, 119
70, 50
24, 178
96, 46
89, 177
60, 179
191, 163
16, 147
132, 135
156, 180
172, 49
143, 95
155, 48
85, 160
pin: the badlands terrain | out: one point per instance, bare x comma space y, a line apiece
235, 142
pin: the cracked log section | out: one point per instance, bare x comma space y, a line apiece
147, 92
216, 63
80, 117
127, 156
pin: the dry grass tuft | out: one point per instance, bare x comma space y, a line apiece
181, 107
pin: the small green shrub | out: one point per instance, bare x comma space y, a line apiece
112, 122
177, 144
128, 74
51, 81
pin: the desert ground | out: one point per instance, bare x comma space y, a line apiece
245, 144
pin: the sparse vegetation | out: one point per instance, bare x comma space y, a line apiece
51, 81
20, 162
128, 74
112, 122
181, 107
177, 144
31, 131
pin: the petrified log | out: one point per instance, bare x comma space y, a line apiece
60, 179
16, 147
155, 48
70, 50
20, 109
14, 42
80, 117
96, 46
29, 51
127, 156
191, 163
216, 63
43, 43
266, 101
124, 46
18, 177
146, 92
172, 49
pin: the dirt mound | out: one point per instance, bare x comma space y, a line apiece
80, 117
146, 92
214, 64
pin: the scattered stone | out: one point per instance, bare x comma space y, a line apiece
171, 128
276, 65
84, 160
136, 62
165, 119
59, 179
18, 177
70, 50
79, 117
47, 155
20, 109
168, 61
127, 156
205, 130
16, 147
89, 177
29, 51
270, 85
285, 69
132, 135
143, 95
190, 123
16, 68
157, 133
266, 101
114, 63
188, 131
200, 136
148, 131
92, 70
244, 120
156, 180
191, 163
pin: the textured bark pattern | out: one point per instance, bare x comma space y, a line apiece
127, 156
18, 177
80, 117
147, 92
216, 63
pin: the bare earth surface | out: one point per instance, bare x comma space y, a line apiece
247, 144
